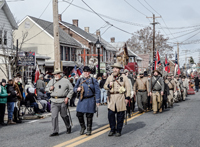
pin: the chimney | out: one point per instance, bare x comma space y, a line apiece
60, 17
98, 32
75, 22
87, 29
112, 40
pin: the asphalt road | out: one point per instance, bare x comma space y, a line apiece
175, 127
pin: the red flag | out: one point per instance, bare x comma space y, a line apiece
37, 74
157, 61
79, 72
166, 64
167, 67
179, 71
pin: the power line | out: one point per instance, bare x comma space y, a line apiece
67, 7
127, 22
39, 17
106, 30
136, 9
37, 33
183, 31
105, 20
185, 34
191, 37
145, 7
111, 18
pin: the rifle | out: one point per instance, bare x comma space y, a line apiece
126, 117
69, 114
97, 111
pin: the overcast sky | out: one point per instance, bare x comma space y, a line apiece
175, 13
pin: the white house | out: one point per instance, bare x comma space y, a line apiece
40, 39
7, 25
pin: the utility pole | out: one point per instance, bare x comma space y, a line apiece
16, 59
178, 52
154, 34
56, 36
186, 59
199, 57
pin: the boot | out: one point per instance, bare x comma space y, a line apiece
89, 126
67, 124
82, 124
160, 110
10, 122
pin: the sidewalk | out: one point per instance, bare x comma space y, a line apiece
32, 117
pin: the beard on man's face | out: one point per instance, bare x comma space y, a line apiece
115, 73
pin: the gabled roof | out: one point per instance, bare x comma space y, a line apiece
48, 27
6, 9
106, 45
131, 53
120, 45
79, 31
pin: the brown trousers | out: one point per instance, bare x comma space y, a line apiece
157, 101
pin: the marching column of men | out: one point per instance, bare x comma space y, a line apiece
142, 90
172, 89
123, 91
156, 89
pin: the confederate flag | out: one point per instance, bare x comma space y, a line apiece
167, 68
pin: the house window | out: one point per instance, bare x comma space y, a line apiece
1, 35
67, 50
61, 53
5, 38
73, 54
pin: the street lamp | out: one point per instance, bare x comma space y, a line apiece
98, 45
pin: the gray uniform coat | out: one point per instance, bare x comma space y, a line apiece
88, 105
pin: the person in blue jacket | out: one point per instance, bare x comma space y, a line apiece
88, 101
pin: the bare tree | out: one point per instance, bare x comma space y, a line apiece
142, 42
8, 52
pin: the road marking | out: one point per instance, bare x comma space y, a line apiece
98, 131
81, 137
32, 121
97, 134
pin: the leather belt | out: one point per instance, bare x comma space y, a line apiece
142, 90
115, 93
157, 90
55, 97
88, 97
171, 89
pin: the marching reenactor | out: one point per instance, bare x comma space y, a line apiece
185, 87
61, 91
177, 93
120, 92
88, 92
141, 89
166, 93
172, 89
156, 89
149, 100
126, 72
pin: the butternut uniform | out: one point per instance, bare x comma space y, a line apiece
185, 88
172, 87
142, 88
157, 88
116, 101
177, 93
